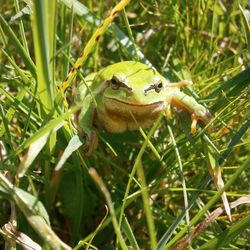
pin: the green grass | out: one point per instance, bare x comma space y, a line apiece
139, 190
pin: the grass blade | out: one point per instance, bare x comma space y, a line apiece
129, 233
19, 47
45, 90
228, 235
34, 218
212, 201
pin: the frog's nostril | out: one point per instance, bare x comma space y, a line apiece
129, 90
129, 93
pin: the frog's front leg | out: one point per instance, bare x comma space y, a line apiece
85, 122
180, 84
197, 111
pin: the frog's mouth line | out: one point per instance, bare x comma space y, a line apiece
125, 109
113, 100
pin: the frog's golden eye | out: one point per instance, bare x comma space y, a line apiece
115, 83
158, 86
119, 80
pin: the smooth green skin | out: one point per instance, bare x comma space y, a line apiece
136, 102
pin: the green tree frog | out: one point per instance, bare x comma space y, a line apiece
128, 95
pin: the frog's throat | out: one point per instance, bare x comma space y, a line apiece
125, 109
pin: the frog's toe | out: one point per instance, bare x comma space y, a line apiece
194, 124
182, 83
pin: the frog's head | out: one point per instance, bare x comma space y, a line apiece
133, 87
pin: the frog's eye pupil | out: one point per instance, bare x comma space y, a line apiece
114, 83
158, 87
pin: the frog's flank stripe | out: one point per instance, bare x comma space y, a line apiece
93, 40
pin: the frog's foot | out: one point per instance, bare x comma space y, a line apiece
194, 118
91, 142
180, 84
